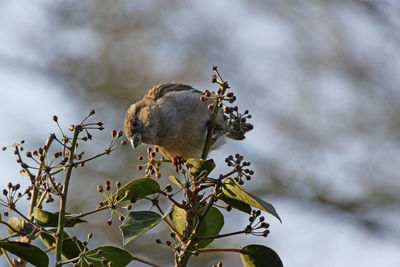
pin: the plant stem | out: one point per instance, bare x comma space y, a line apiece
146, 262
7, 257
35, 191
210, 131
89, 212
223, 235
206, 250
63, 198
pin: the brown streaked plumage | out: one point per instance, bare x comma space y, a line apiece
171, 116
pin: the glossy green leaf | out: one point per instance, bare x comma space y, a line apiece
119, 257
49, 219
137, 223
233, 190
15, 223
138, 189
259, 256
175, 181
27, 252
70, 248
198, 165
178, 218
236, 204
211, 225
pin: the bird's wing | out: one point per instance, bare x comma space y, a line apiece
161, 89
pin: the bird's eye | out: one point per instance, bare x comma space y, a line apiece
134, 123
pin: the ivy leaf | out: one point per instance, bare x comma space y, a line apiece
15, 223
236, 204
138, 188
27, 252
49, 219
70, 249
211, 225
175, 181
259, 256
139, 222
120, 257
232, 189
198, 165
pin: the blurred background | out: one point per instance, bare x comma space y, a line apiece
319, 77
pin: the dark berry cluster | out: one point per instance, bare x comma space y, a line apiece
239, 167
112, 199
152, 165
257, 227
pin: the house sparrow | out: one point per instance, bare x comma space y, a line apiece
172, 117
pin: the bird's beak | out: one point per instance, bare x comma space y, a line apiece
135, 140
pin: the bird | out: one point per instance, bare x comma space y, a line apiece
172, 117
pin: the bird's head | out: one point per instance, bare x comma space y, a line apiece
135, 123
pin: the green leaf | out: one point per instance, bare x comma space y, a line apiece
175, 181
178, 218
259, 256
232, 189
137, 223
27, 252
198, 165
236, 204
211, 226
15, 223
138, 189
49, 219
120, 257
70, 248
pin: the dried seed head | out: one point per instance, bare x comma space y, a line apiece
99, 188
119, 133
213, 78
168, 188
265, 233
4, 148
55, 118
91, 112
114, 133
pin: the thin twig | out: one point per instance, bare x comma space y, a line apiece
63, 198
